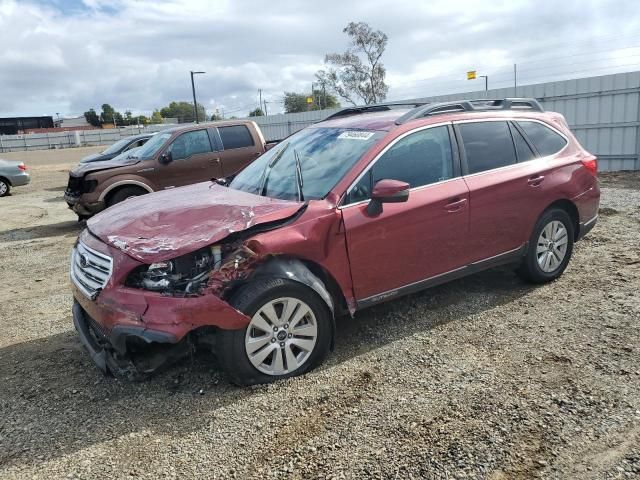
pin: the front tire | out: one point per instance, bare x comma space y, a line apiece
550, 247
289, 333
123, 194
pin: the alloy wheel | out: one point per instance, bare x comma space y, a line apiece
281, 336
552, 246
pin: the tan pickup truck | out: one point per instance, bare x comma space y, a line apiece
178, 156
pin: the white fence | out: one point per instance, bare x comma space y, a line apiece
76, 138
604, 113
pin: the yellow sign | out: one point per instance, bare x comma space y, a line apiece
471, 75
309, 99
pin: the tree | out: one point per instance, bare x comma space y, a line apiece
297, 102
92, 117
183, 111
107, 113
140, 120
216, 116
118, 119
256, 113
352, 77
156, 117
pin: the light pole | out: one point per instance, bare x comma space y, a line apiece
486, 82
193, 89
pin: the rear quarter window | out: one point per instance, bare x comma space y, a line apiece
236, 136
546, 141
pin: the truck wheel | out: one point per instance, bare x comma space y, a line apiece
123, 194
5, 188
550, 247
288, 335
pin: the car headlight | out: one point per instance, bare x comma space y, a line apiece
185, 274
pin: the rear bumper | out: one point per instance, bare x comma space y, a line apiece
20, 179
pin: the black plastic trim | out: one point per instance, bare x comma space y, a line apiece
511, 256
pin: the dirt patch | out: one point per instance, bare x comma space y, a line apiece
485, 377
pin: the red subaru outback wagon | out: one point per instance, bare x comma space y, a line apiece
372, 203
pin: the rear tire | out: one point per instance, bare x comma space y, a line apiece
550, 247
123, 194
5, 187
293, 339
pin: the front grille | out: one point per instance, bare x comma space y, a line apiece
74, 187
90, 270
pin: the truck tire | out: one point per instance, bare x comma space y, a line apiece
124, 193
289, 333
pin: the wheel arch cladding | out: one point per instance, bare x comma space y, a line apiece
569, 207
290, 268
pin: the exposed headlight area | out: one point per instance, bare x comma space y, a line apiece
186, 275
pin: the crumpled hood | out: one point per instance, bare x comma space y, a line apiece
167, 224
82, 169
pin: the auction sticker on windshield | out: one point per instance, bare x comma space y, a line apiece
356, 135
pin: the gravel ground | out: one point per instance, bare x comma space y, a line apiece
486, 377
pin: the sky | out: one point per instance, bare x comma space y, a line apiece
66, 56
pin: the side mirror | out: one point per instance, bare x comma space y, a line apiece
166, 158
387, 191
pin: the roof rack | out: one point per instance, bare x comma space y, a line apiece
479, 105
379, 107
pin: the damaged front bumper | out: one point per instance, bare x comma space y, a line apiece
109, 350
129, 331
81, 208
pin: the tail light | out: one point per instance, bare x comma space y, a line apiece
591, 164
22, 167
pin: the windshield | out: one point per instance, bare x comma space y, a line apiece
154, 144
125, 156
307, 165
116, 147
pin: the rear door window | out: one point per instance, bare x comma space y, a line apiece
236, 136
487, 145
419, 159
523, 150
546, 141
189, 144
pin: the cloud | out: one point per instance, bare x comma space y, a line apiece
69, 55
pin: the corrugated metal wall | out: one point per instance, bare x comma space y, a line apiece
603, 112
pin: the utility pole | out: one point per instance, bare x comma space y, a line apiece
265, 108
260, 94
313, 97
515, 81
195, 102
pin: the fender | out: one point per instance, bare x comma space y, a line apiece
119, 183
288, 268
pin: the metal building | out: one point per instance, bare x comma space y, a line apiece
15, 125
